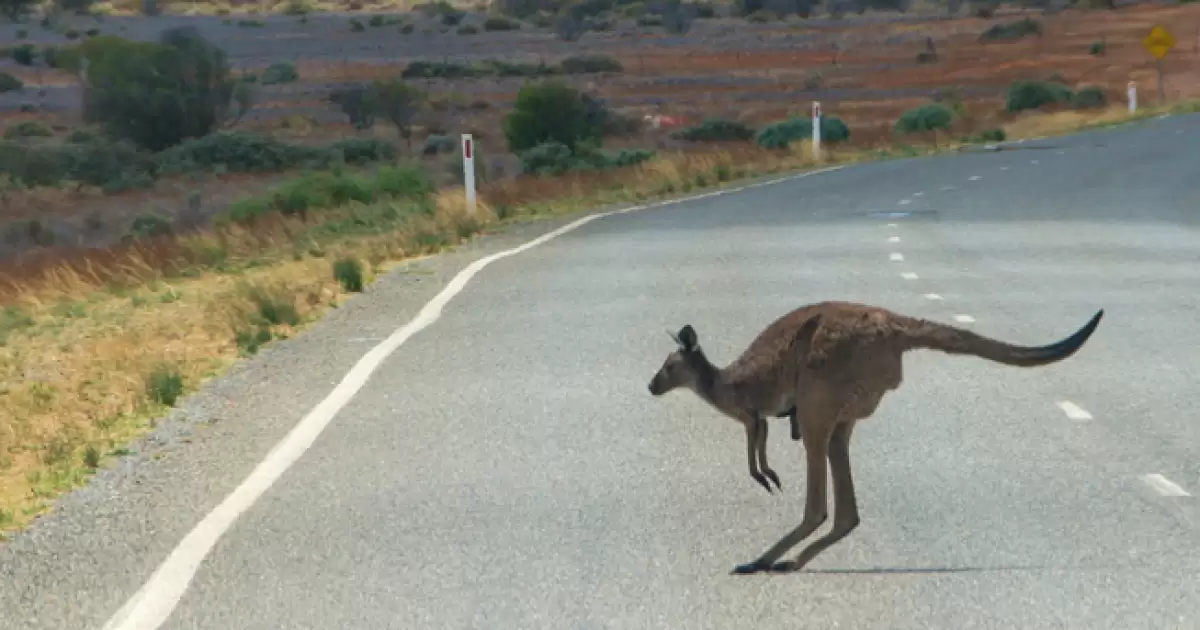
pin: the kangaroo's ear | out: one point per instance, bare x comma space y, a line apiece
687, 337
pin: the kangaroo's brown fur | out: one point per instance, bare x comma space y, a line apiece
826, 366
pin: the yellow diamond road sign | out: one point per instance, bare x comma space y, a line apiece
1159, 42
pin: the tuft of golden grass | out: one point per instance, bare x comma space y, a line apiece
84, 337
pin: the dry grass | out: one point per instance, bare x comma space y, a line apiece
87, 341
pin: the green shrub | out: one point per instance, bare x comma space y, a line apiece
328, 190
28, 129
992, 135
1097, 48
24, 54
400, 102
437, 143
650, 20
9, 83
31, 166
438, 70
1012, 30
359, 151
467, 29
111, 165
555, 158
1089, 97
932, 117
761, 16
548, 111
634, 10
779, 135
349, 273
279, 73
715, 130
157, 94
587, 64
236, 151
500, 23
547, 158
149, 225
1023, 95
63, 58
360, 103
164, 385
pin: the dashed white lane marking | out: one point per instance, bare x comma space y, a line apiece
1073, 411
1033, 161
892, 225
1164, 486
932, 296
974, 178
893, 239
153, 603
948, 188
1004, 168
908, 275
905, 202
919, 194
1061, 152
896, 257
965, 319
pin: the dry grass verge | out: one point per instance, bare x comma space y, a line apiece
93, 349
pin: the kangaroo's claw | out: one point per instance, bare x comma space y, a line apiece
771, 473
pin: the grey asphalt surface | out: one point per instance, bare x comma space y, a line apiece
506, 468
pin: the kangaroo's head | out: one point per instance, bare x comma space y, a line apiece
685, 367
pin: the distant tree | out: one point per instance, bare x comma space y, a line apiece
678, 17
16, 10
400, 102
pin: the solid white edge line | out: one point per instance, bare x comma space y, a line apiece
964, 318
896, 256
908, 275
932, 296
154, 602
1073, 411
1164, 486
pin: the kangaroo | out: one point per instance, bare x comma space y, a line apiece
826, 366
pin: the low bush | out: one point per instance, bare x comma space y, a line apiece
321, 191
588, 64
116, 165
500, 23
716, 130
549, 111
1089, 97
932, 117
9, 83
279, 73
1023, 95
781, 134
1011, 31
555, 158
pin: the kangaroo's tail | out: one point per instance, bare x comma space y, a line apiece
952, 340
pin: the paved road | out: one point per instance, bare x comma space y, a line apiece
506, 468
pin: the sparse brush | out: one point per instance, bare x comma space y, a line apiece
164, 385
274, 305
349, 273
